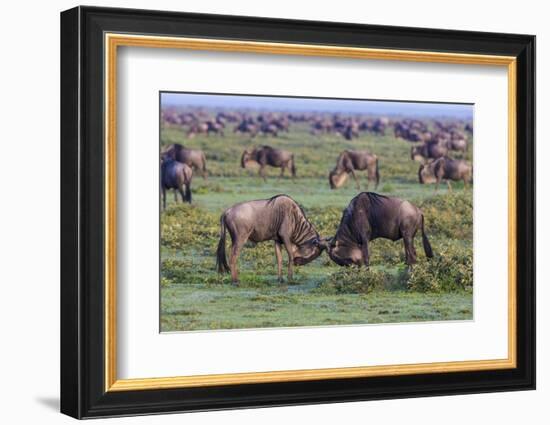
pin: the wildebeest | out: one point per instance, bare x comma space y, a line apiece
428, 150
279, 219
370, 216
247, 126
445, 169
194, 158
175, 175
460, 145
349, 161
266, 155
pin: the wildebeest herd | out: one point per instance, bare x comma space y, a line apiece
439, 147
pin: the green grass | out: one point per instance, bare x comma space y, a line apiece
196, 307
195, 297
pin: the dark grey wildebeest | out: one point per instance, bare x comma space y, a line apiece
194, 158
370, 216
279, 219
428, 151
175, 175
445, 169
350, 161
266, 155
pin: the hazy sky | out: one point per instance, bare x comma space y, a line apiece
464, 111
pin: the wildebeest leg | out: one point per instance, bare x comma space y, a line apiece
283, 167
355, 178
410, 251
188, 192
163, 198
449, 187
365, 252
180, 190
262, 172
176, 195
279, 261
236, 247
288, 247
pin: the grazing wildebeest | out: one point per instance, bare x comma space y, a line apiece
370, 216
194, 158
349, 161
428, 151
266, 155
279, 219
175, 175
445, 169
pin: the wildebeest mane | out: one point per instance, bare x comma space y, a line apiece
364, 200
304, 225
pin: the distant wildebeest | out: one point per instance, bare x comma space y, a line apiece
269, 129
246, 127
206, 127
175, 175
350, 161
279, 219
370, 216
445, 169
458, 145
194, 158
428, 151
266, 155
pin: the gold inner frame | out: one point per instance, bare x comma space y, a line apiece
113, 41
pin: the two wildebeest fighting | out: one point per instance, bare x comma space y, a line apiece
281, 220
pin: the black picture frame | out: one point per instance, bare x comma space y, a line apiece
82, 206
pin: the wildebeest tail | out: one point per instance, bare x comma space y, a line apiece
293, 166
426, 242
221, 259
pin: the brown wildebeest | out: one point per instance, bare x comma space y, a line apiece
445, 169
246, 126
348, 162
175, 175
458, 145
266, 155
269, 129
194, 158
279, 219
428, 150
370, 216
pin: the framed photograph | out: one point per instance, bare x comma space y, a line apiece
261, 212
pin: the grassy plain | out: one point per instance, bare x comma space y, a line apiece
195, 297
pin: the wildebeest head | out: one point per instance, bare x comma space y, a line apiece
168, 153
245, 158
416, 153
427, 172
337, 178
309, 251
344, 255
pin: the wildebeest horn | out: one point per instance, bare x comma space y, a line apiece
321, 243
